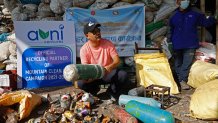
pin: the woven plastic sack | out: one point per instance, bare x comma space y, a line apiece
129, 1
11, 67
4, 54
12, 37
10, 4
12, 48
149, 16
59, 6
44, 10
6, 12
119, 4
204, 101
1, 2
172, 2
99, 5
201, 73
82, 3
154, 69
30, 1
110, 2
152, 3
27, 100
153, 26
102, 4
160, 32
30, 10
164, 12
56, 18
18, 15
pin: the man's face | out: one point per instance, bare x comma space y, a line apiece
183, 4
179, 1
95, 35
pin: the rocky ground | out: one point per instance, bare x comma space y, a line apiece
180, 109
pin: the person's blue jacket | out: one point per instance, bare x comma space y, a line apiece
183, 28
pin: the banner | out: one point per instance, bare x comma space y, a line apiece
123, 26
44, 48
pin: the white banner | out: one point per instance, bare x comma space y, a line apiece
122, 25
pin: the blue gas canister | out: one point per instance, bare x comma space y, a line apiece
148, 114
124, 99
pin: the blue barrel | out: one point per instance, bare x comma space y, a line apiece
124, 99
148, 114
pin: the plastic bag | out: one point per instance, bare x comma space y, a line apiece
4, 54
154, 69
27, 100
201, 73
204, 101
207, 52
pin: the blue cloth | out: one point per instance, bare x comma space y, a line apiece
3, 37
183, 27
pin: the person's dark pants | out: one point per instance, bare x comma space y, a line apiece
183, 60
117, 79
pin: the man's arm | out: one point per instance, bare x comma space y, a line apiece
113, 65
83, 57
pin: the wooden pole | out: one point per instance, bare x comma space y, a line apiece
203, 31
216, 14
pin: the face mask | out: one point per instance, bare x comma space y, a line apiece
184, 4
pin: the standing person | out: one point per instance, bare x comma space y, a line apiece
184, 37
102, 52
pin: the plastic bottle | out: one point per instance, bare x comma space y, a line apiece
148, 114
124, 99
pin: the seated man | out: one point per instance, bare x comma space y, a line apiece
102, 52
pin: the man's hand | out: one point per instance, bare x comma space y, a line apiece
108, 69
88, 80
116, 62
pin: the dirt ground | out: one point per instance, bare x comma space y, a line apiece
179, 110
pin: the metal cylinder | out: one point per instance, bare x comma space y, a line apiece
122, 115
124, 99
139, 91
148, 114
74, 72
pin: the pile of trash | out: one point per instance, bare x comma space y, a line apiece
80, 107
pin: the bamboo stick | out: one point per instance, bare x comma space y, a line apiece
203, 32
216, 14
